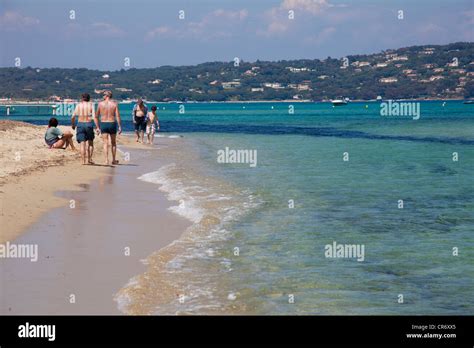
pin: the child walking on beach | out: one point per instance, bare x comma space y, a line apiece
152, 125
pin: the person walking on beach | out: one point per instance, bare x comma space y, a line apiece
152, 124
109, 121
139, 113
85, 127
55, 138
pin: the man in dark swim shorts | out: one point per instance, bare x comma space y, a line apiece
85, 131
85, 127
139, 114
110, 125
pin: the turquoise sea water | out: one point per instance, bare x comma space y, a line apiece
300, 157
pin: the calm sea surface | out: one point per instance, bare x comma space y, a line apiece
402, 189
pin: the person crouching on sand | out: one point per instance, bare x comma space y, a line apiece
55, 138
152, 125
109, 121
85, 127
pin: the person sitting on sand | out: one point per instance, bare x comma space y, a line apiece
55, 138
109, 121
152, 124
139, 113
85, 127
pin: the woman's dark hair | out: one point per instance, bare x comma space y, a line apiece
86, 97
153, 108
53, 122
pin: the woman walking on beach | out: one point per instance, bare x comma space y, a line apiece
139, 113
85, 127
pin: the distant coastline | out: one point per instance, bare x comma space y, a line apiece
429, 72
44, 102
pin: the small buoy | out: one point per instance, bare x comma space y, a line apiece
272, 107
366, 106
444, 103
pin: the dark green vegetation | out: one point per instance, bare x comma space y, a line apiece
433, 71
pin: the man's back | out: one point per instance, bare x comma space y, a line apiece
107, 110
84, 111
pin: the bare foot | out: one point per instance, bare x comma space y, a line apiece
115, 162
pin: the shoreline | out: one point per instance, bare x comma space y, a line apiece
81, 249
91, 232
43, 102
30, 168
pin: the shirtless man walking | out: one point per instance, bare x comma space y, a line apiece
109, 121
85, 127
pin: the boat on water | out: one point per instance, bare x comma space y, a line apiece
340, 102
468, 102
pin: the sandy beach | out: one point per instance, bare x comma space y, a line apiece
87, 247
30, 173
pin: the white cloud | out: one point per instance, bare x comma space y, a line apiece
321, 37
14, 21
158, 31
430, 28
99, 30
233, 15
277, 27
102, 29
314, 7
277, 18
469, 15
217, 24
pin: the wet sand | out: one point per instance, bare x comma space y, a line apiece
83, 250
30, 173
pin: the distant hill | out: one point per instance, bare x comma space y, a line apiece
433, 71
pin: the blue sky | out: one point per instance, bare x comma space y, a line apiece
150, 33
